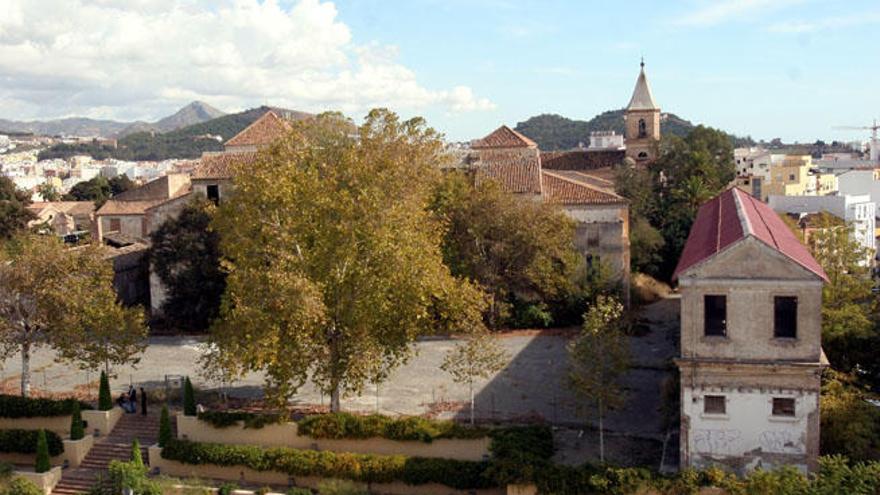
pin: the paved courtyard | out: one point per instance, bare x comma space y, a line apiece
530, 387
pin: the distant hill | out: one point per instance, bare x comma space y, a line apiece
555, 132
194, 113
188, 142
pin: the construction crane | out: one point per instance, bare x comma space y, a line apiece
875, 143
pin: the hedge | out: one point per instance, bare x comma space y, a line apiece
225, 419
350, 426
25, 442
16, 406
366, 468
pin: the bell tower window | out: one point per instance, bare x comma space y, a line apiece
643, 128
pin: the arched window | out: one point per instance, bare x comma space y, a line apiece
643, 128
643, 156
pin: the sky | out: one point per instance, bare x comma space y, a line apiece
793, 69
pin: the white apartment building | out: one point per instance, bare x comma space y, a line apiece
606, 140
858, 210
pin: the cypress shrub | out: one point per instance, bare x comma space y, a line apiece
189, 398
42, 463
105, 401
77, 430
164, 427
136, 457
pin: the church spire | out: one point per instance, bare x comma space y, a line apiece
642, 99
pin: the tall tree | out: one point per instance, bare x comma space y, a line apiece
519, 251
334, 258
64, 299
185, 254
14, 215
597, 359
96, 189
48, 192
479, 357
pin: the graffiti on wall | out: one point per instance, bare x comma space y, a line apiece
721, 441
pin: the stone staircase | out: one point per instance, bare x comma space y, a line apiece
114, 447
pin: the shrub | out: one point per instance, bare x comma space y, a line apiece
25, 442
130, 475
15, 406
298, 491
356, 467
225, 419
164, 427
341, 487
344, 425
227, 489
42, 464
105, 401
21, 486
136, 457
77, 429
189, 398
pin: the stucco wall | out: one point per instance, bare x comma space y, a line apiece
130, 225
57, 424
285, 435
44, 481
603, 230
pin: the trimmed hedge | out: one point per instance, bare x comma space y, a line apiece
25, 442
16, 406
350, 426
461, 475
225, 419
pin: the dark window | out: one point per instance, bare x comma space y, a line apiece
115, 225
714, 404
715, 308
783, 406
785, 317
643, 155
643, 128
213, 191
790, 176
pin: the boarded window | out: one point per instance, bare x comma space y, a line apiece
715, 308
115, 225
213, 191
785, 317
714, 404
783, 406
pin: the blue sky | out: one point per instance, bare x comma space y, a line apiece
767, 68
778, 68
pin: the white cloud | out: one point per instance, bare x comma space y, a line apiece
714, 12
828, 23
134, 58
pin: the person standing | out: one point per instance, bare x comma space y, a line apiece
143, 402
133, 399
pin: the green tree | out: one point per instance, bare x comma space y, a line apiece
847, 301
479, 357
850, 425
41, 465
77, 430
14, 215
520, 252
96, 189
333, 257
105, 401
165, 434
185, 254
120, 184
189, 398
597, 359
64, 299
48, 192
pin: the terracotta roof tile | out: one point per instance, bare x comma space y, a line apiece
117, 207
504, 137
68, 207
261, 132
221, 165
568, 190
581, 159
732, 216
518, 171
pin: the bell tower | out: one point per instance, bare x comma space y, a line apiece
642, 119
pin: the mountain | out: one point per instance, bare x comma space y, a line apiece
194, 113
555, 132
187, 142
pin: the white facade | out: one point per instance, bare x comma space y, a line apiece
756, 162
858, 210
606, 140
747, 424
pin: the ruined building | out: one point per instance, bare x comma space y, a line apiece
751, 356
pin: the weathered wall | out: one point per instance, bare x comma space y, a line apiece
603, 230
129, 225
57, 424
200, 186
285, 435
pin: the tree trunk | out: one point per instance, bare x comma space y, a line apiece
25, 369
471, 385
334, 399
601, 435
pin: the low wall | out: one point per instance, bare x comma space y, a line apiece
74, 453
101, 423
243, 474
286, 435
58, 424
44, 481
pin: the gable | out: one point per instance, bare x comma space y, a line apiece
749, 259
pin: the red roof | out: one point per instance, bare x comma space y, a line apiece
504, 137
731, 217
518, 171
568, 189
261, 132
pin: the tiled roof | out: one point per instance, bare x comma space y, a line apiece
581, 159
504, 137
567, 189
731, 217
68, 207
262, 131
117, 207
518, 171
642, 99
221, 165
